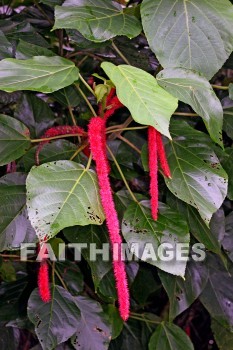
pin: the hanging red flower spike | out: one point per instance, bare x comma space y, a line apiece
43, 281
57, 131
153, 170
97, 139
156, 152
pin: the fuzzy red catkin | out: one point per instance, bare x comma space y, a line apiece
162, 156
57, 131
97, 139
43, 282
153, 170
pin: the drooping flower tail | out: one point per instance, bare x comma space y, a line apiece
97, 139
57, 131
162, 156
153, 170
43, 281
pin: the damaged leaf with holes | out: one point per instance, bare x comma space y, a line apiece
62, 194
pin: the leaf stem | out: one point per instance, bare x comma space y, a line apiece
144, 319
84, 145
120, 53
122, 175
86, 84
220, 87
60, 279
186, 114
54, 138
86, 100
89, 162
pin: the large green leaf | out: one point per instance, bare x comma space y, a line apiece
197, 176
139, 91
193, 89
227, 163
27, 50
195, 34
97, 20
183, 292
196, 224
5, 47
14, 141
34, 113
41, 73
228, 121
62, 194
91, 234
222, 335
168, 336
55, 321
15, 228
139, 227
217, 296
93, 330
11, 299
231, 91
56, 150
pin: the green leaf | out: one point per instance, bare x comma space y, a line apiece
5, 47
67, 96
139, 227
222, 335
115, 320
194, 34
15, 31
14, 141
183, 292
228, 121
193, 89
15, 228
139, 91
71, 275
227, 241
197, 176
96, 20
27, 50
11, 299
9, 338
231, 91
217, 297
62, 194
168, 336
34, 113
144, 285
227, 163
196, 224
56, 150
41, 73
55, 321
93, 330
89, 235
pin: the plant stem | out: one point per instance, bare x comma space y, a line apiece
72, 115
86, 84
220, 87
86, 100
89, 162
54, 138
186, 114
111, 128
120, 53
122, 175
60, 279
53, 270
84, 145
144, 319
